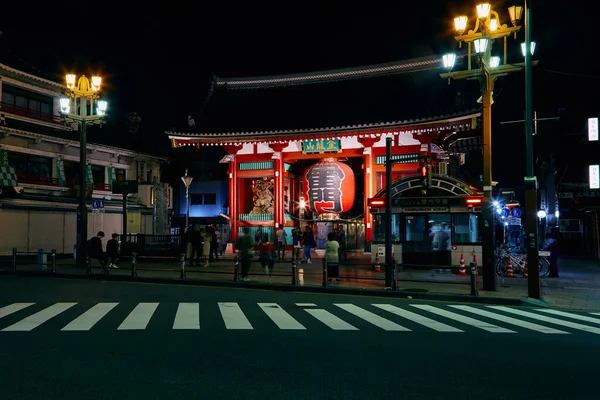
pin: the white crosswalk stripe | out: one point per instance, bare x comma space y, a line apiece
509, 320
419, 319
372, 318
343, 317
35, 320
88, 319
13, 308
139, 318
188, 316
544, 318
570, 315
327, 318
233, 316
486, 326
281, 318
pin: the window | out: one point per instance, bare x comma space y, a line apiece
379, 228
210, 198
195, 199
466, 228
71, 171
120, 174
98, 174
31, 165
26, 103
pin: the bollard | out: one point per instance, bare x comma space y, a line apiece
236, 269
324, 272
395, 275
182, 276
474, 291
294, 272
53, 261
134, 264
14, 259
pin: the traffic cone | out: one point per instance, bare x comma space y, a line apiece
510, 272
461, 270
377, 266
525, 270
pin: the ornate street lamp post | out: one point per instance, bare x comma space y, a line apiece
488, 30
187, 181
82, 98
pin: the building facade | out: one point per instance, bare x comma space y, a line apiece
39, 157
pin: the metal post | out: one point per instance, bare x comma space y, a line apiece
53, 261
236, 269
134, 264
82, 209
324, 272
487, 211
388, 212
474, 291
14, 259
182, 259
88, 265
395, 281
533, 281
124, 236
294, 272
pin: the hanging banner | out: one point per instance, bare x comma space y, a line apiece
112, 176
3, 158
7, 173
60, 172
89, 178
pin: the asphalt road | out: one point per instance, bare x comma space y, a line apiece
63, 339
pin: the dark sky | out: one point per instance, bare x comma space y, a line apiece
156, 60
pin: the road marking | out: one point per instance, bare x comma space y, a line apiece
510, 320
419, 319
40, 317
306, 304
544, 318
233, 316
570, 315
463, 319
139, 318
332, 321
13, 308
371, 317
281, 318
595, 313
188, 316
88, 319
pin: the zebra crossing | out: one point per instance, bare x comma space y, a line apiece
189, 316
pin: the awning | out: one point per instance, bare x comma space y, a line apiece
8, 176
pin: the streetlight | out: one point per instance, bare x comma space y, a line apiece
187, 181
480, 40
82, 97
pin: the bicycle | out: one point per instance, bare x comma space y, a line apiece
518, 259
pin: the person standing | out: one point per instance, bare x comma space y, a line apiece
281, 242
266, 249
112, 251
309, 242
332, 256
296, 242
206, 246
552, 246
214, 244
244, 244
341, 238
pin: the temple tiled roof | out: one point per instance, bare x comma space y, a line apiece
367, 98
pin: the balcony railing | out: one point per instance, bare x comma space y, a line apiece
26, 112
46, 181
104, 187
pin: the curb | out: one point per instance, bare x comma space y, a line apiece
284, 288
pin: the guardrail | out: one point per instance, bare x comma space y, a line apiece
41, 255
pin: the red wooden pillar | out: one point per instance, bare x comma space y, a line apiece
369, 184
233, 195
279, 192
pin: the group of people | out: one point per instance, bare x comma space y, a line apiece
202, 245
111, 256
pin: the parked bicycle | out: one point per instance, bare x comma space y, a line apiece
518, 259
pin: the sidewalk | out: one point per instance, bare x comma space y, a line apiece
578, 287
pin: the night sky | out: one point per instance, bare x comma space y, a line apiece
157, 60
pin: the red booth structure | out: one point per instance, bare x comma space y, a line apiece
317, 175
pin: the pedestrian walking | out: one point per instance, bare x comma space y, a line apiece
266, 250
95, 250
332, 256
245, 244
112, 251
296, 242
308, 238
214, 243
206, 246
341, 239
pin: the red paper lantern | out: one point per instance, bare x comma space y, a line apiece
329, 187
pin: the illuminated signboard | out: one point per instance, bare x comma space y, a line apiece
593, 129
594, 177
